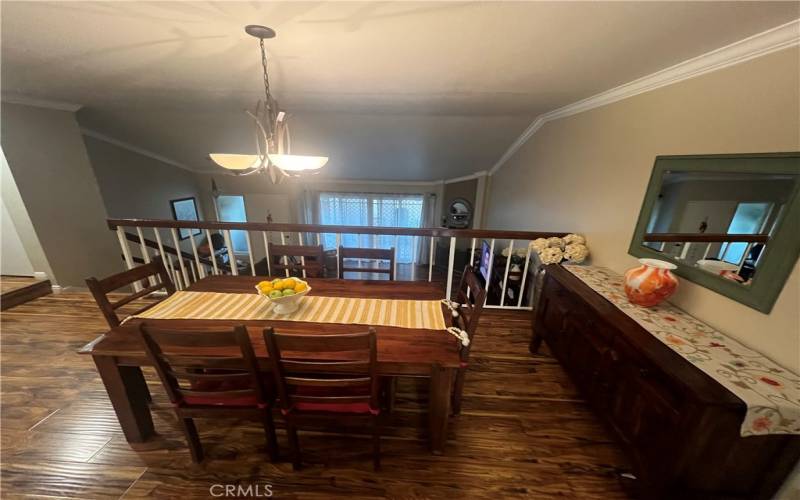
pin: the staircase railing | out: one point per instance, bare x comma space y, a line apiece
508, 286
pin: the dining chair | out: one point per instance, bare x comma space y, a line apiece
377, 254
100, 288
285, 257
210, 374
471, 297
341, 389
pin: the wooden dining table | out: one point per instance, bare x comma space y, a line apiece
409, 352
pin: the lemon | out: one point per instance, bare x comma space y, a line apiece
276, 281
278, 286
300, 287
288, 283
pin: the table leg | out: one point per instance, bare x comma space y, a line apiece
128, 394
439, 406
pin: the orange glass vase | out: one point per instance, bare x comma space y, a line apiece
650, 283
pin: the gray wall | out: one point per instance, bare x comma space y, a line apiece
137, 186
48, 161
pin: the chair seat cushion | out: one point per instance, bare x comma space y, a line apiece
335, 407
221, 401
332, 406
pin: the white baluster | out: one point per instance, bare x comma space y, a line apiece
524, 275
319, 242
192, 270
145, 254
338, 244
708, 249
489, 272
430, 262
685, 250
126, 254
250, 252
471, 259
231, 256
213, 252
166, 258
200, 270
450, 263
176, 241
505, 276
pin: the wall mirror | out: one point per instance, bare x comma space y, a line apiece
730, 223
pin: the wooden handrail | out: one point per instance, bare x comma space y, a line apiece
706, 238
331, 229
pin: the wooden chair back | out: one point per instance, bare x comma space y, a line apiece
311, 259
471, 295
100, 288
379, 254
348, 375
205, 368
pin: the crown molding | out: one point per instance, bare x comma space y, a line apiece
40, 103
775, 39
476, 175
135, 149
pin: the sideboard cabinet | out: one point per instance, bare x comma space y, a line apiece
679, 427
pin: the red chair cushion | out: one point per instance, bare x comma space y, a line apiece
332, 407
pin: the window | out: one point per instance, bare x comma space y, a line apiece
373, 210
748, 219
230, 208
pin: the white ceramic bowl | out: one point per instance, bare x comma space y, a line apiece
289, 303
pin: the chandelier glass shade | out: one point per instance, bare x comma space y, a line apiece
273, 142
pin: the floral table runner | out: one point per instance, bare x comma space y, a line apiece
771, 393
426, 314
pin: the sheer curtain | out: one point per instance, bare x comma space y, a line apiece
374, 210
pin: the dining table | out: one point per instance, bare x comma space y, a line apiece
405, 352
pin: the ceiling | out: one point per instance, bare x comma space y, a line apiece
392, 91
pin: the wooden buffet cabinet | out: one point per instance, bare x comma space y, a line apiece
679, 427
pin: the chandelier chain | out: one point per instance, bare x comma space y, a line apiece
269, 103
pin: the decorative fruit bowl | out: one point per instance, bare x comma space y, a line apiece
285, 293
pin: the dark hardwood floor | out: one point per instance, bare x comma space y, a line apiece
523, 432
16, 290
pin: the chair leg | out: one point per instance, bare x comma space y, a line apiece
272, 439
294, 445
192, 438
389, 390
458, 389
376, 446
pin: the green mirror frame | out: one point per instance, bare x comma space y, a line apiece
780, 254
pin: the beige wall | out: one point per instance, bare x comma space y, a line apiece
48, 161
588, 173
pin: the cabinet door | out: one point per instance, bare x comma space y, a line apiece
644, 414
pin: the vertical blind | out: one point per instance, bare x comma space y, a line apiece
374, 210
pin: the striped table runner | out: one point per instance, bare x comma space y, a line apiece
426, 314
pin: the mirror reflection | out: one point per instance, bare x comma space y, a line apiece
719, 222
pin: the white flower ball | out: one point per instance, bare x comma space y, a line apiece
551, 255
538, 244
576, 252
574, 238
555, 242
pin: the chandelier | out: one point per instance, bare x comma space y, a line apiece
273, 143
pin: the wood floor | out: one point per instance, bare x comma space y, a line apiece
523, 432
